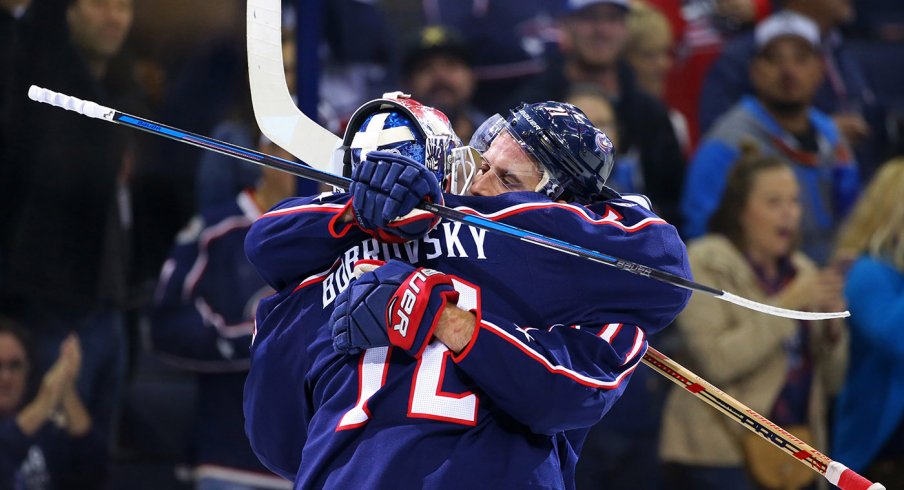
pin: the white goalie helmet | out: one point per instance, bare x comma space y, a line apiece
400, 124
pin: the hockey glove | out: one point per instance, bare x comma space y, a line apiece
394, 304
387, 186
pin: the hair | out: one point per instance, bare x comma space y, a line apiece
876, 224
11, 327
726, 220
644, 19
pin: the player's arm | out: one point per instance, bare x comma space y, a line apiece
625, 229
185, 330
275, 415
299, 237
551, 379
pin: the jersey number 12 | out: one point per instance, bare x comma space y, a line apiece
426, 400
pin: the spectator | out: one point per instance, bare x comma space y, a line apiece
594, 34
786, 73
65, 240
509, 40
649, 53
843, 93
203, 319
781, 368
702, 28
358, 56
436, 69
590, 99
868, 431
221, 177
49, 442
626, 175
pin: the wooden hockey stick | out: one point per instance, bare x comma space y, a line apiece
92, 109
836, 473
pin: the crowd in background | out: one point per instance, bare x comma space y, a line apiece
769, 132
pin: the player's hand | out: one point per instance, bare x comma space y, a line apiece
386, 187
394, 304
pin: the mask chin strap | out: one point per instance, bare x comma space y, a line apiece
543, 181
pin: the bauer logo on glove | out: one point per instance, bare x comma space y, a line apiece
406, 306
393, 304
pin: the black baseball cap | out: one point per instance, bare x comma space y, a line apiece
434, 40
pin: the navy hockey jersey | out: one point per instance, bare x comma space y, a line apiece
202, 321
557, 340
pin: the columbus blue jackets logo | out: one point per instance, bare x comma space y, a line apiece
603, 143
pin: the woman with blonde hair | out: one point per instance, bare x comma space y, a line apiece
869, 414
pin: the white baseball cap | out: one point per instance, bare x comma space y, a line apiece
785, 23
574, 5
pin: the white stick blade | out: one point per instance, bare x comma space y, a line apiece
276, 113
782, 312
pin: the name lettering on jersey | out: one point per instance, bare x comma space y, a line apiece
446, 240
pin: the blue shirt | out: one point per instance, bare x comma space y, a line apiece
870, 406
828, 178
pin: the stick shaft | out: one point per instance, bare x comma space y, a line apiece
835, 472
92, 109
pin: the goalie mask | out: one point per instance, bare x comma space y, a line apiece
575, 157
399, 124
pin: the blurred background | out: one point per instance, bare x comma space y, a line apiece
113, 234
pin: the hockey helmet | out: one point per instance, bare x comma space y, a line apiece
575, 156
402, 125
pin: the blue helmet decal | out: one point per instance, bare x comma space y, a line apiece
389, 131
401, 125
577, 156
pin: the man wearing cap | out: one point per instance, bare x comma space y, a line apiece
437, 70
594, 35
844, 92
786, 72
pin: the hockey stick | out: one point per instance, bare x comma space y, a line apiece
92, 109
836, 473
277, 115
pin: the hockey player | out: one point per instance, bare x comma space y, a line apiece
486, 366
202, 319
